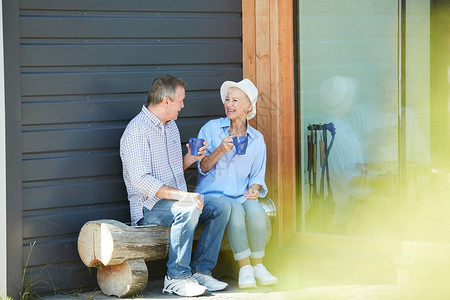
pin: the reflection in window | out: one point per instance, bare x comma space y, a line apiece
348, 75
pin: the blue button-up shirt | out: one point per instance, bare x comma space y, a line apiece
151, 157
233, 174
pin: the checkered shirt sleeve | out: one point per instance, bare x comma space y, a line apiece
151, 157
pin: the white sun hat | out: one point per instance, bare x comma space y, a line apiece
336, 94
247, 87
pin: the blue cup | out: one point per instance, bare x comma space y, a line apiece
240, 142
195, 145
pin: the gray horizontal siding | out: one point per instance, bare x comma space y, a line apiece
103, 110
136, 54
77, 192
36, 140
52, 278
86, 68
130, 26
52, 251
135, 5
120, 81
57, 222
80, 191
72, 166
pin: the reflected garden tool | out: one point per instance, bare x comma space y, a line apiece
321, 209
311, 215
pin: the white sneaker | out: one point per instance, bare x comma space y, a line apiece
246, 277
263, 277
210, 282
187, 287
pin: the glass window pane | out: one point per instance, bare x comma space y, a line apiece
348, 70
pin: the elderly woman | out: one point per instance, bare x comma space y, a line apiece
238, 179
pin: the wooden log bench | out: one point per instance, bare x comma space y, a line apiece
120, 251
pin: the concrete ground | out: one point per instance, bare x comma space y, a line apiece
331, 292
315, 281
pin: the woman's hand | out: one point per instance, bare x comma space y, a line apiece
211, 159
226, 145
253, 193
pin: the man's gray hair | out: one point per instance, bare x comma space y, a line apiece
164, 86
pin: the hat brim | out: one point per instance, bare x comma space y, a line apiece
348, 99
229, 84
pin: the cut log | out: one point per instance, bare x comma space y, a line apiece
120, 251
109, 242
124, 280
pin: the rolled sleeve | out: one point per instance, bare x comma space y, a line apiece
151, 158
133, 157
200, 169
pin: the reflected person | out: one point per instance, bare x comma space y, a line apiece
337, 95
376, 122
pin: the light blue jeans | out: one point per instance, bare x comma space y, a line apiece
183, 220
246, 229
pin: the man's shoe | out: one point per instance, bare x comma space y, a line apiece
210, 282
246, 277
186, 287
263, 277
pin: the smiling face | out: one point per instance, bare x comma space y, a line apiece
236, 104
174, 107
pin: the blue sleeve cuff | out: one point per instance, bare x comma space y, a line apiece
200, 169
262, 190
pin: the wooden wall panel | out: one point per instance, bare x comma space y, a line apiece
272, 68
286, 96
249, 39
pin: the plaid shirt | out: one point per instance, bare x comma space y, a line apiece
151, 157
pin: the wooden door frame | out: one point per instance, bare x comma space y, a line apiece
439, 90
268, 56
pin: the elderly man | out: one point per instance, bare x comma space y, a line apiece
153, 166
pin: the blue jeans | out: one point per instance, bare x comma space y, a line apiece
183, 220
247, 225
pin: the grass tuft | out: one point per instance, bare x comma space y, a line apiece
31, 282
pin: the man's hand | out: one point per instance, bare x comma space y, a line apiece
191, 198
198, 200
189, 159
